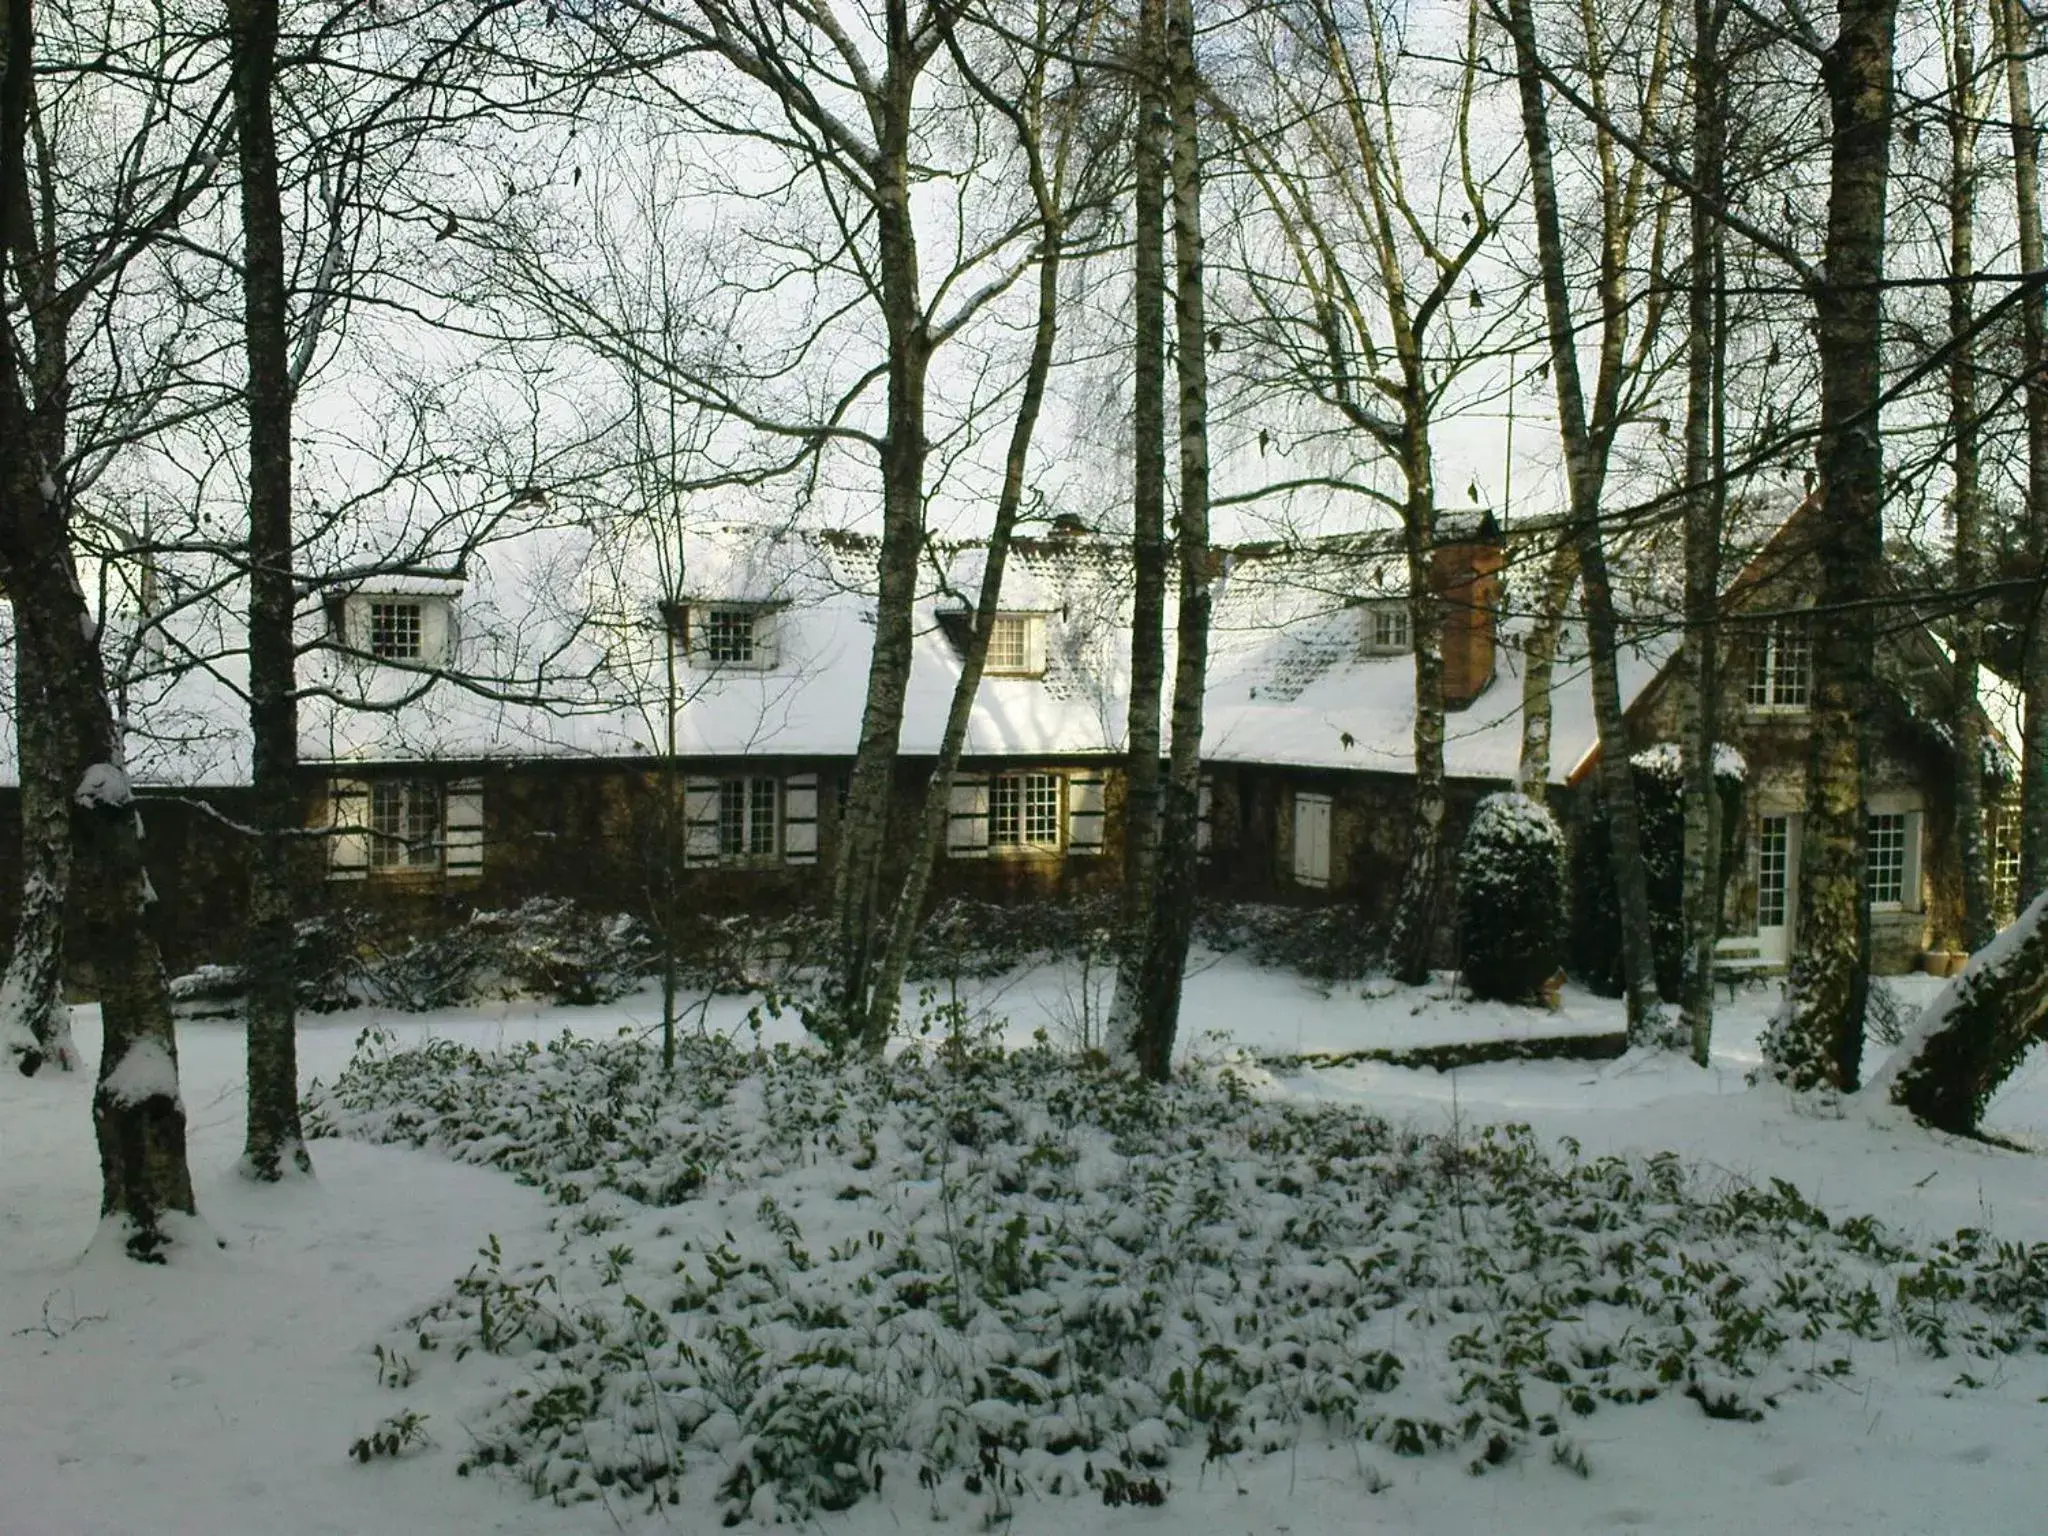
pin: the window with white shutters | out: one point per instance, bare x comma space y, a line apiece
404, 827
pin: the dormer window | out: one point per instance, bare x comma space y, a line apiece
1387, 632
406, 628
727, 635
1016, 646
395, 630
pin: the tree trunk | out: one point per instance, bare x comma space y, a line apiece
1539, 670
137, 1113
1173, 908
1415, 905
35, 1025
1701, 920
274, 1142
1818, 1037
1585, 470
1974, 1034
931, 831
863, 833
1967, 503
2014, 26
1148, 527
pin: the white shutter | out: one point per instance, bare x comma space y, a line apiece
700, 822
462, 828
1034, 646
1205, 816
800, 819
348, 852
355, 623
967, 819
437, 631
1312, 839
765, 636
1085, 807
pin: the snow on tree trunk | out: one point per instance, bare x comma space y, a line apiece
1973, 1035
35, 1026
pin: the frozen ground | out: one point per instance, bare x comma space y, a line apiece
219, 1396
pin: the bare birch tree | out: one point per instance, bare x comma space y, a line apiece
138, 1115
1146, 1039
1379, 266
1588, 437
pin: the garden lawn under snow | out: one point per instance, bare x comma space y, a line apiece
1012, 1292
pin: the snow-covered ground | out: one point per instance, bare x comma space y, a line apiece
220, 1395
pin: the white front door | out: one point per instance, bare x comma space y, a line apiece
1312, 839
1777, 886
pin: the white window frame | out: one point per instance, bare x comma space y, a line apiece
2002, 849
1026, 812
407, 826
1016, 646
749, 819
1781, 671
1907, 867
1389, 630
398, 628
728, 637
366, 627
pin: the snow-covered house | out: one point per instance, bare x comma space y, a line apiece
559, 716
1913, 864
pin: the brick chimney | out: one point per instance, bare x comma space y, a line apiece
1464, 571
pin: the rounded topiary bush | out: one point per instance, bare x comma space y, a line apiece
1511, 898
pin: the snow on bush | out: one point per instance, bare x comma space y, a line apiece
1511, 898
784, 1281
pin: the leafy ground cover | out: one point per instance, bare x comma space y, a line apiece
782, 1286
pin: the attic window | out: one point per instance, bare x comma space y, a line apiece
728, 636
397, 627
737, 635
395, 631
1016, 646
1387, 631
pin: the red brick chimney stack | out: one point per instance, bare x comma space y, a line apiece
1465, 571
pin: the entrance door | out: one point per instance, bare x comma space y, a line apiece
1312, 839
1777, 886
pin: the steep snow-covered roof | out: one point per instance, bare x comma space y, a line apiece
566, 650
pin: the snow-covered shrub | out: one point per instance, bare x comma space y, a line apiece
543, 948
963, 937
732, 953
782, 1282
1510, 898
1595, 948
1328, 943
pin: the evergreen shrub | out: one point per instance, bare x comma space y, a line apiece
1511, 898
